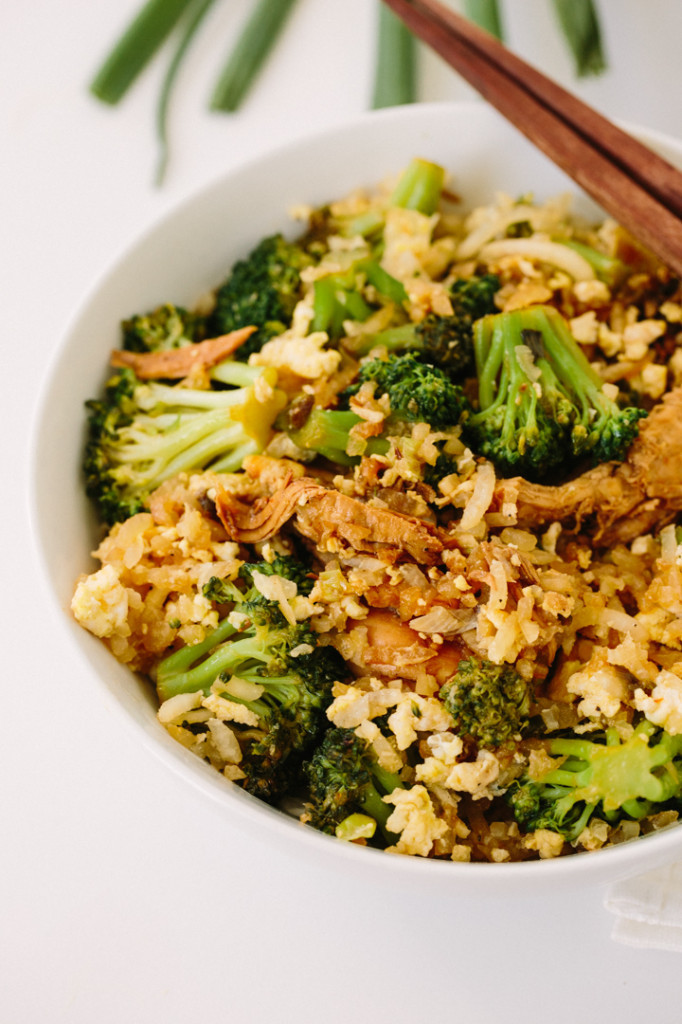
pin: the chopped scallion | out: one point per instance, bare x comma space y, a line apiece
485, 14
395, 65
195, 16
580, 25
253, 46
141, 40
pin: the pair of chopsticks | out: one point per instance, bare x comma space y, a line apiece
639, 189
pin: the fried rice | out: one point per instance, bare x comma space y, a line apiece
578, 585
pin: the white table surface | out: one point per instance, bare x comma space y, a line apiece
123, 897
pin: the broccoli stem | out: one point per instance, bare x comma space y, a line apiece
187, 443
489, 348
393, 339
336, 300
150, 396
241, 375
372, 803
387, 285
173, 672
419, 187
326, 432
176, 674
565, 352
337, 297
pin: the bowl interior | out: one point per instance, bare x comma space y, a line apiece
191, 250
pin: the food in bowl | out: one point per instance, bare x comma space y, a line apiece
390, 524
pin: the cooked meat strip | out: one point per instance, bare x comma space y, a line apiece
332, 521
388, 647
177, 363
249, 523
615, 501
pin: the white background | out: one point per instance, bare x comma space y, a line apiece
123, 896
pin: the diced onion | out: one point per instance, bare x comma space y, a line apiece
555, 253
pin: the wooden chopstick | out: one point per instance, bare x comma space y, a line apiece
638, 188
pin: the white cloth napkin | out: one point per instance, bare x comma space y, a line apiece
648, 909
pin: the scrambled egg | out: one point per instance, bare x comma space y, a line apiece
415, 820
664, 705
100, 602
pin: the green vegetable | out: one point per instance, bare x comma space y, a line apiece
488, 702
395, 54
444, 341
344, 780
262, 291
197, 12
445, 465
580, 25
486, 14
578, 21
247, 58
419, 187
541, 406
166, 327
605, 776
296, 675
338, 297
395, 62
416, 392
326, 431
139, 43
142, 433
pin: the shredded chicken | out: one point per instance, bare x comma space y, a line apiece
177, 363
626, 499
332, 521
389, 647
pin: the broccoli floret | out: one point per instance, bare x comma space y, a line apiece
475, 296
444, 341
417, 392
488, 702
344, 779
542, 408
606, 776
167, 327
261, 291
142, 433
255, 643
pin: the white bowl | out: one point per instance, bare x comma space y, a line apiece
189, 251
